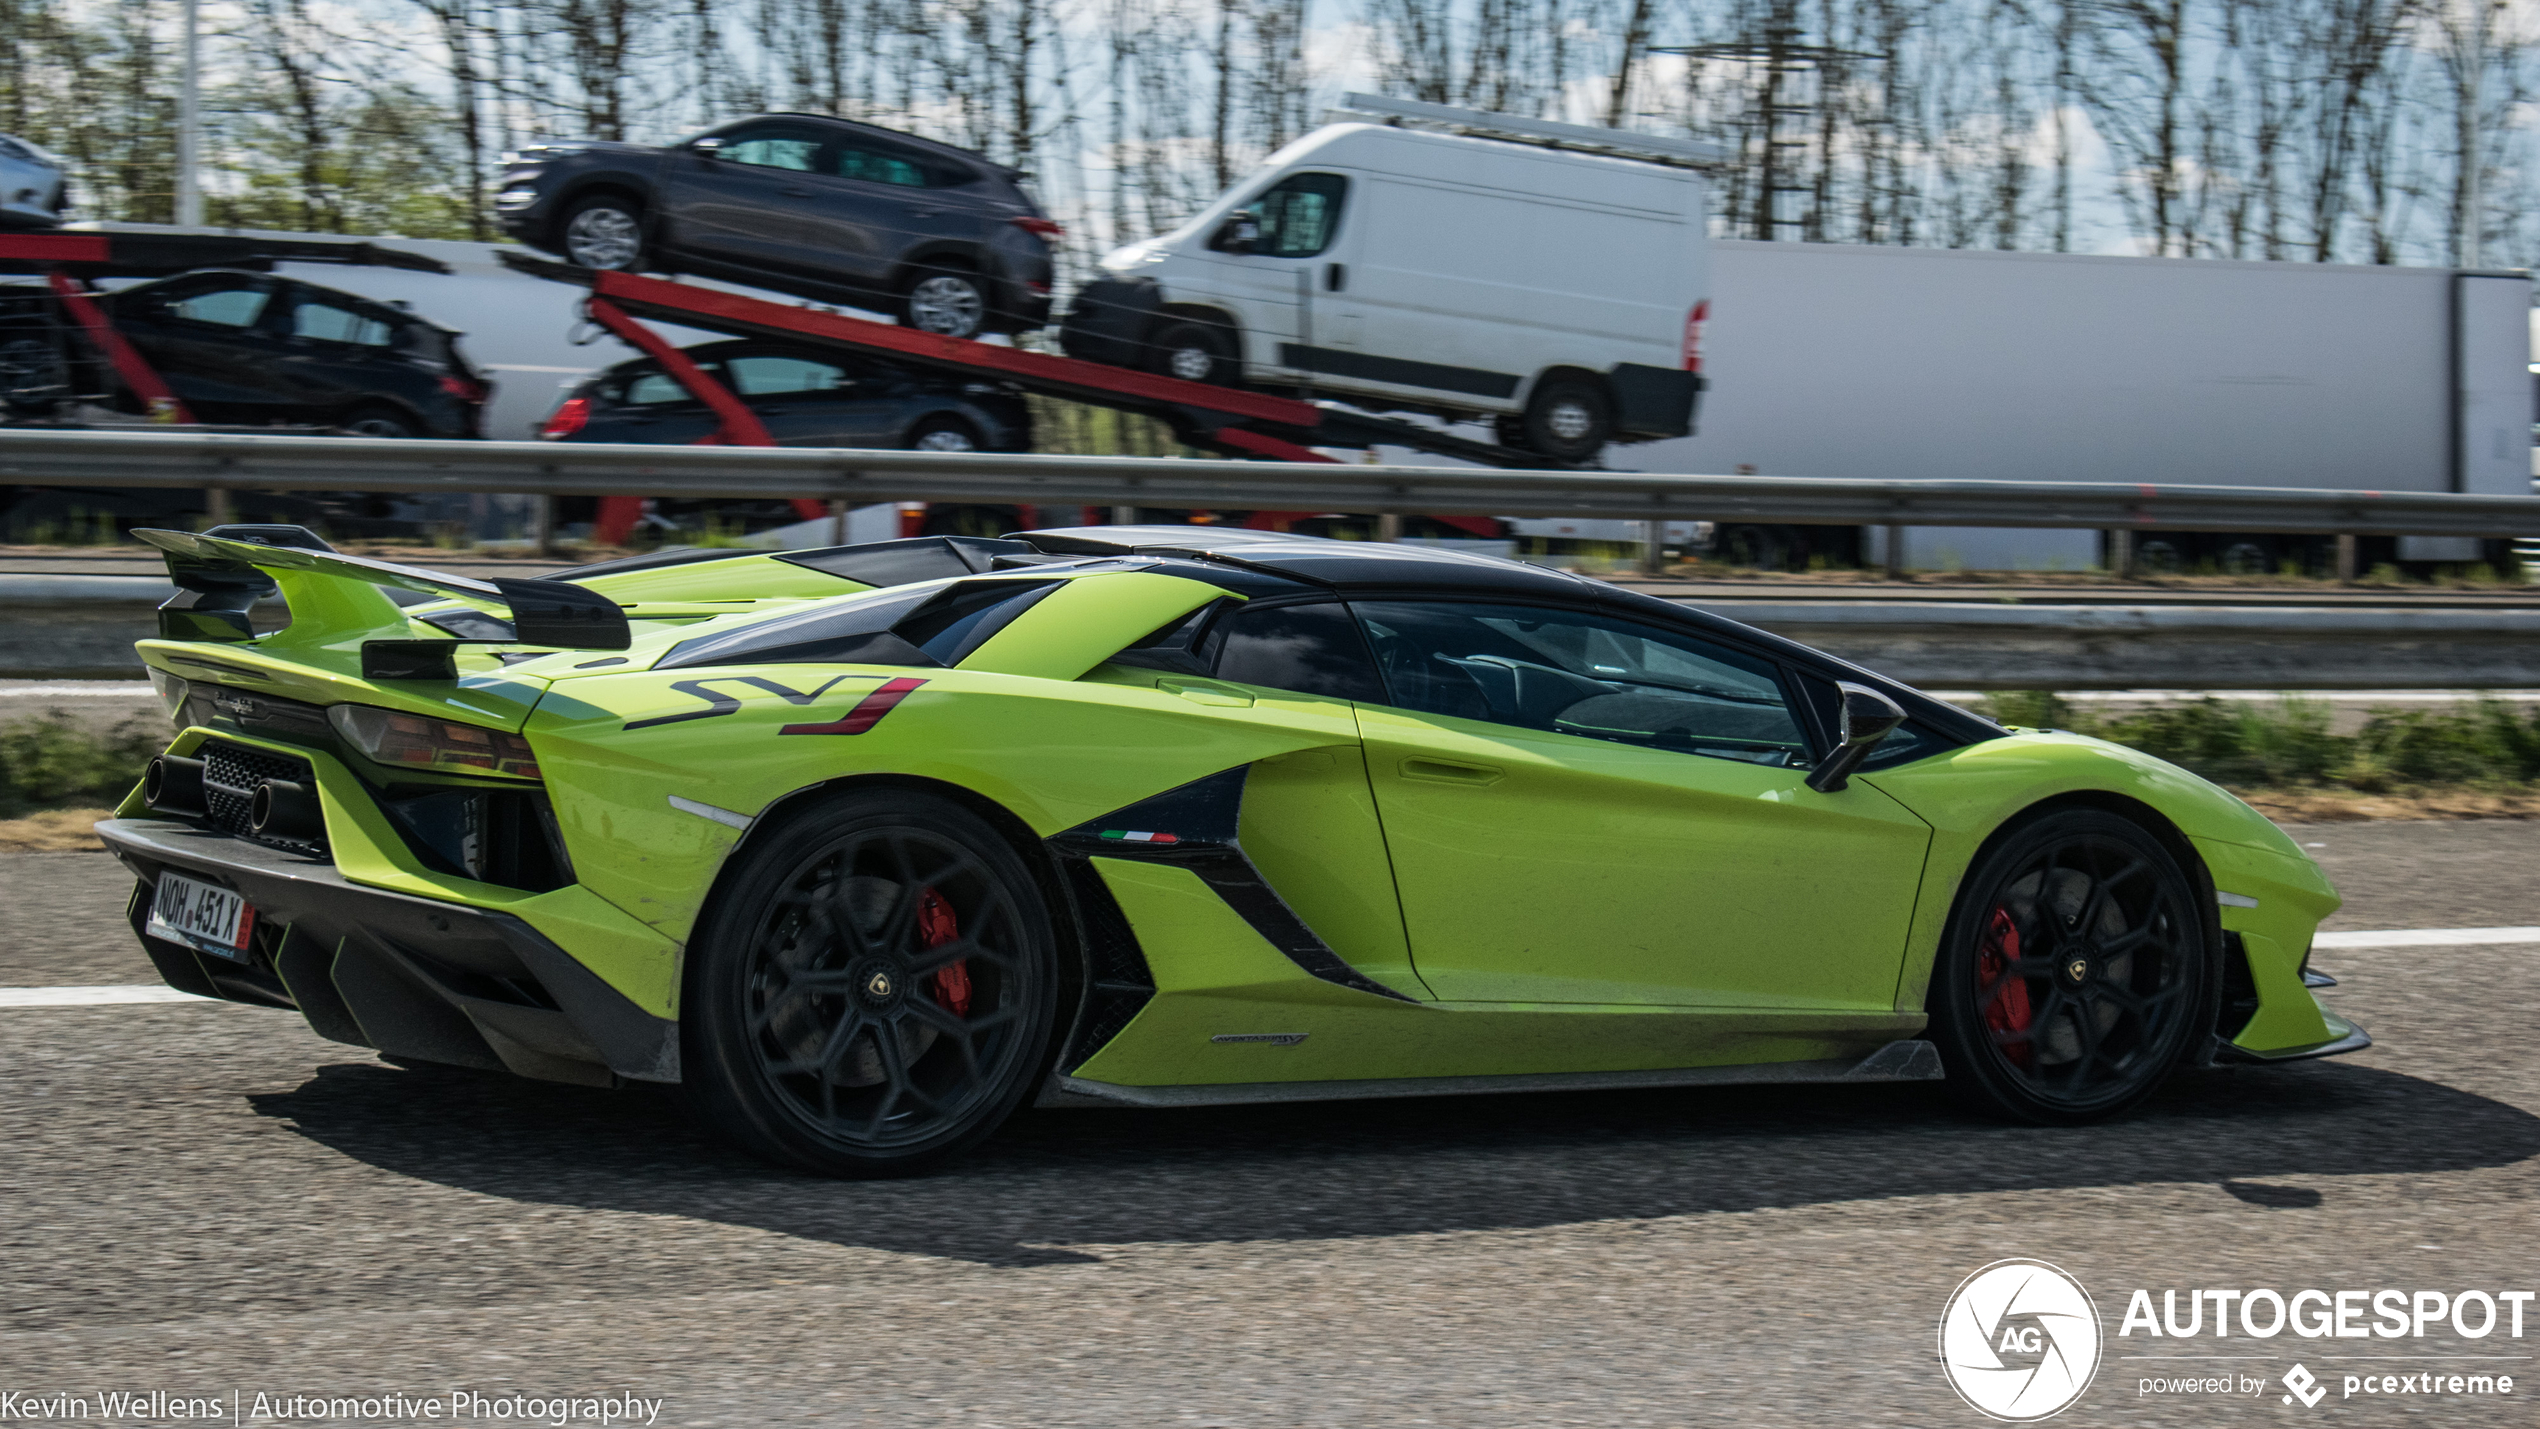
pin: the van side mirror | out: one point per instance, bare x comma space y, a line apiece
708, 147
1867, 717
1240, 233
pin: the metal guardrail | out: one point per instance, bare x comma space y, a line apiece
856, 476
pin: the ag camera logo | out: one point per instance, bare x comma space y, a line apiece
2020, 1341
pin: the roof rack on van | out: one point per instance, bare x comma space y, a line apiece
1621, 143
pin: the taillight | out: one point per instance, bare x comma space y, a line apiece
1041, 227
463, 389
572, 417
421, 742
1036, 285
1693, 334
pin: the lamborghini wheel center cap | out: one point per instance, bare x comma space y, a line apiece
879, 985
2078, 969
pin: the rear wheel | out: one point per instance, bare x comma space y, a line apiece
1568, 418
2077, 972
949, 302
380, 422
874, 989
943, 434
604, 232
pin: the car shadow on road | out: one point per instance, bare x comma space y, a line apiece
1058, 1179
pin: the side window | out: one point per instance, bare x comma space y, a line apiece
1301, 215
1583, 673
222, 307
767, 374
876, 166
1311, 649
649, 389
327, 322
773, 147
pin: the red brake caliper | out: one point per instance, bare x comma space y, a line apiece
936, 926
2006, 1009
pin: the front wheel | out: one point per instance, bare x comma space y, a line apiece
1196, 351
873, 990
2077, 972
604, 232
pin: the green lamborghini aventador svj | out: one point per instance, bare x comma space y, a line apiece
866, 847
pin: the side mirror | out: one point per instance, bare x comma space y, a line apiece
708, 147
1867, 718
1241, 233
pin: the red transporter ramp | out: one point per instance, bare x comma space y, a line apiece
1231, 420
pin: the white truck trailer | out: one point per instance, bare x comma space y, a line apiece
1927, 364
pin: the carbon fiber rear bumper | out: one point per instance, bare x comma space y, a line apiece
412, 977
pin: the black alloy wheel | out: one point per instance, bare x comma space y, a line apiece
2078, 971
1568, 418
1196, 351
873, 989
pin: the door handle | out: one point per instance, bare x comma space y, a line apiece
1206, 692
1335, 277
1452, 771
924, 212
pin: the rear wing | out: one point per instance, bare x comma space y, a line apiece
334, 597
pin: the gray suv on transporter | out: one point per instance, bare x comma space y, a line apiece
805, 204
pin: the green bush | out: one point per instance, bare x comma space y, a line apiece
2288, 745
54, 762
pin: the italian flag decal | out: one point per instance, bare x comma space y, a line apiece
1140, 836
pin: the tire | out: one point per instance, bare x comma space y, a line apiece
860, 1045
949, 302
379, 422
2078, 971
1568, 418
604, 231
943, 434
1196, 351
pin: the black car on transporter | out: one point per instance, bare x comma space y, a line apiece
248, 349
804, 397
805, 204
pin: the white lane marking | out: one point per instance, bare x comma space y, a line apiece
87, 691
2426, 938
94, 996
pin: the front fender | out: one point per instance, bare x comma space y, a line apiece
1967, 794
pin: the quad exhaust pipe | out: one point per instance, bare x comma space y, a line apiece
173, 784
285, 809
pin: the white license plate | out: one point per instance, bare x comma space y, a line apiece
202, 916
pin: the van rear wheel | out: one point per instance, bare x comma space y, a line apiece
1568, 418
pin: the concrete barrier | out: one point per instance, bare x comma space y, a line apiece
82, 627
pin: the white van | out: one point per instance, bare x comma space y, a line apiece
1551, 277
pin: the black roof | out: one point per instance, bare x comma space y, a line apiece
1320, 561
1365, 565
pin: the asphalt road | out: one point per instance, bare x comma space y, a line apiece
207, 1199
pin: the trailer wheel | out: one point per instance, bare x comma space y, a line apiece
1196, 351
1568, 418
